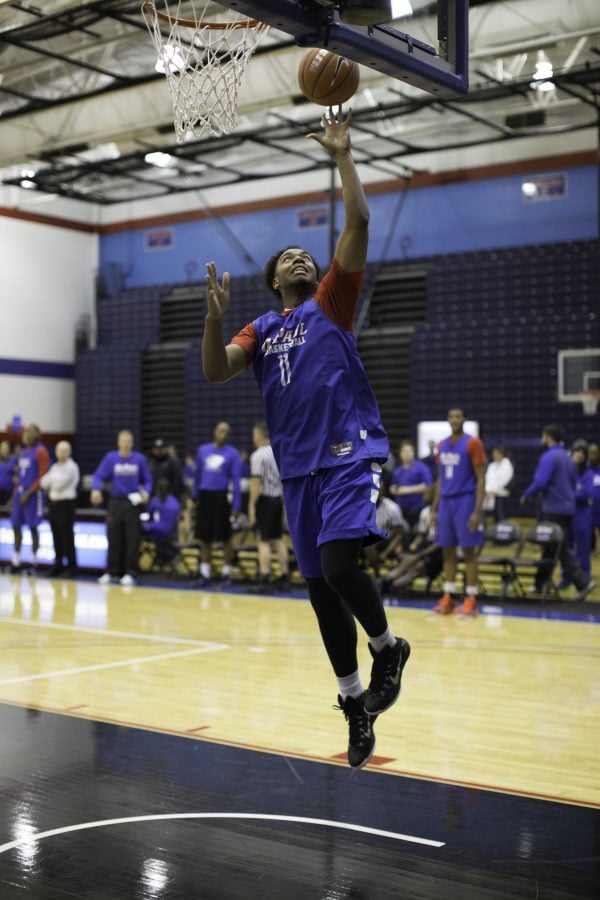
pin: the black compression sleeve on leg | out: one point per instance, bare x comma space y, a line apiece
337, 626
339, 561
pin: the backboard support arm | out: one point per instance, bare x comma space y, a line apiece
380, 47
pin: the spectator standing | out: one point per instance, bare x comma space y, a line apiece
27, 502
60, 483
581, 529
498, 476
164, 465
431, 460
8, 472
594, 460
217, 466
555, 479
409, 483
265, 509
456, 510
130, 486
163, 518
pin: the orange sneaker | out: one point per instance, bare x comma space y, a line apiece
469, 607
444, 606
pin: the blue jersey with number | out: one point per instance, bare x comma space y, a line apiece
321, 410
456, 465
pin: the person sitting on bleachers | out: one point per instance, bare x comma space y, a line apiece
498, 476
423, 557
388, 517
161, 523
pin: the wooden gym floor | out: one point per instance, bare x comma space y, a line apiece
171, 743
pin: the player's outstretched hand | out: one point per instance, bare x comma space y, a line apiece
336, 131
217, 293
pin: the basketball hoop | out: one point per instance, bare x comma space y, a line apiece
590, 400
204, 62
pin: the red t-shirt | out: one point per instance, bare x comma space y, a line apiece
337, 295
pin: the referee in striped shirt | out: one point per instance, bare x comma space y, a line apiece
265, 511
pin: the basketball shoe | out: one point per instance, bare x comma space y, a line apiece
445, 605
361, 737
386, 672
468, 607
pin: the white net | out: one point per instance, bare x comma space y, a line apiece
590, 401
204, 59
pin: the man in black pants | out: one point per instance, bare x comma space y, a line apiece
130, 486
555, 478
60, 483
327, 439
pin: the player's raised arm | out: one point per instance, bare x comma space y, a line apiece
351, 249
219, 362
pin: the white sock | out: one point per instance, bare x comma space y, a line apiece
226, 570
15, 558
449, 587
205, 570
350, 686
387, 639
471, 591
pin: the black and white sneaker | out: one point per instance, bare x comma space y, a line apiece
386, 672
361, 738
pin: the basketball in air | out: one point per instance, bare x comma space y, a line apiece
326, 78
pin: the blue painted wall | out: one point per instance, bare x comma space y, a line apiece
442, 219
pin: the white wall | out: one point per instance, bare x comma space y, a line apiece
46, 284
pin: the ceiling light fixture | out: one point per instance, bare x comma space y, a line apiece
543, 73
160, 159
170, 55
401, 8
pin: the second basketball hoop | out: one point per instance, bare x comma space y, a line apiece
204, 61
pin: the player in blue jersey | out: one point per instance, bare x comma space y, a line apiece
218, 465
130, 486
27, 502
327, 439
456, 510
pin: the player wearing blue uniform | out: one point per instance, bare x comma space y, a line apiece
27, 502
327, 439
218, 465
130, 485
456, 510
555, 479
594, 460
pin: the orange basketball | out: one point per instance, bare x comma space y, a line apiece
326, 78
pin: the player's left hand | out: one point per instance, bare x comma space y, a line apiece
23, 498
144, 495
473, 523
336, 131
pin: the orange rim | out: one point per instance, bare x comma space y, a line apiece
191, 23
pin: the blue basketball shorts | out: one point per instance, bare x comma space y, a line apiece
30, 513
452, 522
330, 505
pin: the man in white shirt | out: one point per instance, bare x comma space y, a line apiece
498, 476
60, 482
265, 512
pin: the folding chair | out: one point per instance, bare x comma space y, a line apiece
497, 556
544, 538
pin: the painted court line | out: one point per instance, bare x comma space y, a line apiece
108, 632
326, 823
112, 665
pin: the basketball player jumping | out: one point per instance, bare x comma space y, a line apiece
327, 439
